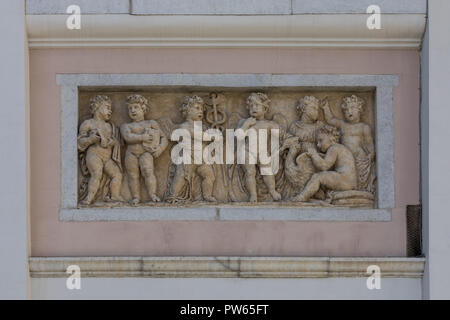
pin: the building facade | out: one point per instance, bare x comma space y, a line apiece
389, 58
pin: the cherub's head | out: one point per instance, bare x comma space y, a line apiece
352, 107
308, 107
137, 107
327, 136
257, 105
192, 108
100, 107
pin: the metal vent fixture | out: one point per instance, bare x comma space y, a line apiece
414, 230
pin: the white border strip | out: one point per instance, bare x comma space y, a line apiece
383, 84
218, 213
237, 80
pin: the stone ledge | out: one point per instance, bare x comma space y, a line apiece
304, 214
226, 267
309, 30
229, 213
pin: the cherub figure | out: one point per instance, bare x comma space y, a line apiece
302, 135
192, 109
98, 139
145, 142
342, 178
306, 128
257, 106
357, 136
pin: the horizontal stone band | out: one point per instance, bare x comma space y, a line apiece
212, 7
226, 267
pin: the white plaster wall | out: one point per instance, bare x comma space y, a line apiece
424, 149
438, 192
13, 158
227, 289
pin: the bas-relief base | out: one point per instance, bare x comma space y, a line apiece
204, 204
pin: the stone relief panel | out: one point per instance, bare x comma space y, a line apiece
320, 145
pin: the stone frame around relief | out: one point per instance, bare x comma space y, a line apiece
384, 141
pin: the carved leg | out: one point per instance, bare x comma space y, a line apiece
269, 180
95, 167
112, 170
132, 166
178, 181
310, 189
250, 181
146, 165
331, 180
207, 174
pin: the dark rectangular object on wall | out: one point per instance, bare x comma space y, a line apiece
414, 230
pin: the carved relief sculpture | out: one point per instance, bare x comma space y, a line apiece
298, 165
326, 155
183, 185
336, 156
99, 147
357, 136
145, 142
257, 105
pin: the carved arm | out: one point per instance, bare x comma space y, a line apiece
163, 143
368, 142
323, 164
85, 138
129, 137
329, 117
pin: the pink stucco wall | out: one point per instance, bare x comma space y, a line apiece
51, 237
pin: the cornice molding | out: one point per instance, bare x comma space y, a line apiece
226, 267
308, 30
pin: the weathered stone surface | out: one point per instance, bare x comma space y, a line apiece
224, 267
87, 6
230, 7
241, 7
358, 6
138, 167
